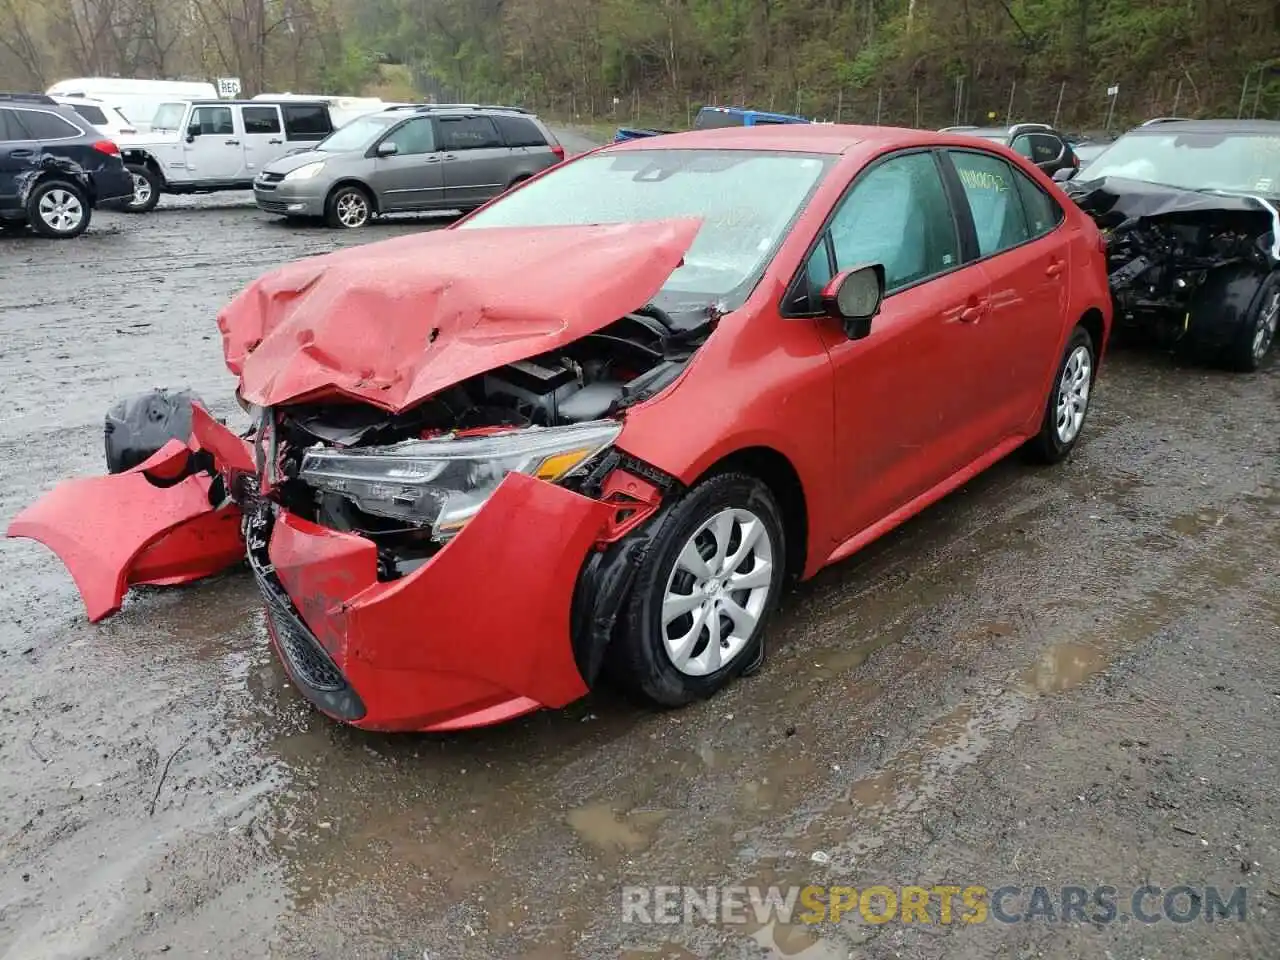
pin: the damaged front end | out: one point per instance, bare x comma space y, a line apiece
450, 558
1185, 267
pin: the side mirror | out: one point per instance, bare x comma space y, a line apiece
193, 131
387, 149
853, 297
1064, 174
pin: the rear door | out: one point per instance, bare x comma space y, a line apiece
413, 177
530, 149
212, 144
263, 136
1025, 255
902, 423
17, 156
305, 123
478, 165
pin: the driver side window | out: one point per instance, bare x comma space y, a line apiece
898, 215
414, 137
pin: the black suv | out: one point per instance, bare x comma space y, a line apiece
54, 167
1038, 142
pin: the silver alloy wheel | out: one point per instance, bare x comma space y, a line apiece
141, 190
717, 591
353, 210
1267, 322
61, 210
1073, 394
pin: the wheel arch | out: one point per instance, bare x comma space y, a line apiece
368, 191
1096, 326
142, 158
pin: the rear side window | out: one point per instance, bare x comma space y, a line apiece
213, 121
90, 113
9, 129
46, 126
1045, 148
308, 121
468, 133
994, 201
1042, 211
709, 119
260, 120
520, 132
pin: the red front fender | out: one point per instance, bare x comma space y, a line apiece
138, 527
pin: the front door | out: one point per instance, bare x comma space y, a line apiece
213, 149
478, 165
900, 422
263, 136
412, 178
1026, 258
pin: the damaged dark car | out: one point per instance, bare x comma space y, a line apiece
1190, 213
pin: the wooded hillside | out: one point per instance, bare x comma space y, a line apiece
930, 62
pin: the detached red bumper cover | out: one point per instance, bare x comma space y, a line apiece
477, 635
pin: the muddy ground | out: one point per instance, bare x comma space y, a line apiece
1064, 676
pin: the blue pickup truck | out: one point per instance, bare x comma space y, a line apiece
711, 117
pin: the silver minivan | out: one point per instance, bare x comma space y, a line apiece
409, 158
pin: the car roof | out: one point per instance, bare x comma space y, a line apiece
216, 102
832, 138
1208, 126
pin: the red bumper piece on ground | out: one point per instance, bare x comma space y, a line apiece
475, 636
113, 531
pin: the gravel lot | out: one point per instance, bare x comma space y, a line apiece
1053, 677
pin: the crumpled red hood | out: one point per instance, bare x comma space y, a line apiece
394, 322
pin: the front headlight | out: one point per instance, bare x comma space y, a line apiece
443, 482
306, 171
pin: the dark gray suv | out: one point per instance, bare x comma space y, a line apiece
415, 157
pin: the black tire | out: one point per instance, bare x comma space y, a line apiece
13, 226
335, 207
151, 192
638, 656
66, 199
1257, 333
1049, 446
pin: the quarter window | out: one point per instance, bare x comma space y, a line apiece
520, 132
1044, 148
260, 120
896, 215
306, 121
993, 199
213, 121
468, 133
90, 113
1041, 210
46, 126
413, 137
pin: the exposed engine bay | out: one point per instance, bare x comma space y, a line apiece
397, 479
1164, 245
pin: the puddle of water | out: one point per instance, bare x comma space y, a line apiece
1064, 666
784, 775
669, 951
795, 943
601, 827
1193, 524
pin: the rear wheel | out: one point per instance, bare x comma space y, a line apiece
711, 578
349, 208
58, 209
146, 189
1068, 405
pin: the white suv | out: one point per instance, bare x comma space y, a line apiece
203, 146
106, 119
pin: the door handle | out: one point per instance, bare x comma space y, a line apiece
1054, 269
973, 312
433, 158
273, 140
448, 156
233, 143
22, 153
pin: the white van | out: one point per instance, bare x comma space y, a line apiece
138, 100
342, 110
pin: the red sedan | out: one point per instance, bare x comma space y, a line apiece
609, 415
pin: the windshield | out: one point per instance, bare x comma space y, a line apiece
1231, 162
358, 134
747, 201
168, 116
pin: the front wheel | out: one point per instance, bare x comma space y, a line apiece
1258, 332
704, 592
348, 208
58, 209
146, 189
1068, 404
